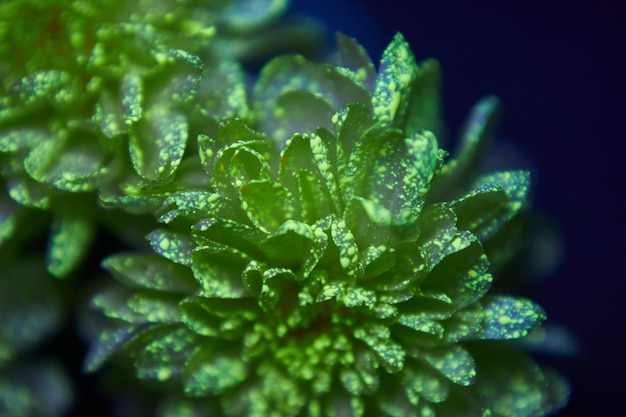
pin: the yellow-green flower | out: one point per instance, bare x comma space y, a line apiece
334, 265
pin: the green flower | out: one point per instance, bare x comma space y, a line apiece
335, 263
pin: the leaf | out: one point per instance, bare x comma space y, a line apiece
278, 291
422, 382
164, 357
453, 361
109, 342
424, 109
289, 73
180, 81
222, 91
298, 112
393, 171
132, 97
156, 306
176, 247
72, 160
19, 139
113, 302
350, 122
396, 74
157, 143
226, 232
390, 352
372, 224
46, 86
210, 372
353, 56
70, 240
289, 245
510, 317
267, 204
476, 138
314, 197
463, 275
150, 272
348, 249
406, 273
219, 317
511, 384
219, 274
237, 165
438, 228
28, 192
192, 204
233, 132
308, 156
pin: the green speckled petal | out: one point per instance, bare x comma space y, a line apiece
229, 233
222, 91
424, 110
393, 171
155, 306
194, 205
231, 132
150, 272
348, 250
299, 111
132, 97
157, 143
219, 274
454, 362
14, 140
210, 372
268, 204
70, 240
513, 385
109, 342
113, 302
52, 86
289, 245
176, 247
396, 74
73, 161
510, 317
496, 200
182, 77
462, 275
422, 381
391, 353
477, 135
353, 56
294, 73
163, 357
29, 192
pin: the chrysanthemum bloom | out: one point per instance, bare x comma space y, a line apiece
335, 263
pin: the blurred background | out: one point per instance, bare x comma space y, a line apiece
559, 69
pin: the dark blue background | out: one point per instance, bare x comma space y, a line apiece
559, 70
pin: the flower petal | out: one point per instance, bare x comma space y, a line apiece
510, 317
